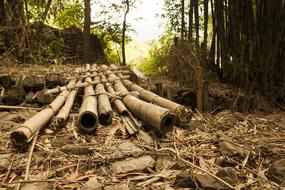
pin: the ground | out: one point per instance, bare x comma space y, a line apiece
215, 151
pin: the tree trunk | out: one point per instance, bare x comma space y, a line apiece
190, 21
182, 19
196, 12
199, 88
86, 31
124, 32
46, 11
2, 11
206, 3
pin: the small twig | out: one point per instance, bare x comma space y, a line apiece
9, 169
29, 160
205, 119
18, 108
194, 166
44, 181
30, 157
246, 159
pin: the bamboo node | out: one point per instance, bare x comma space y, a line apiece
49, 107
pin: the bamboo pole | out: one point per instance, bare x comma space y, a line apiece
60, 119
161, 119
4, 107
121, 108
184, 114
78, 85
104, 107
29, 128
103, 73
88, 114
130, 123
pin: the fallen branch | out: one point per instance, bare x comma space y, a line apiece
4, 107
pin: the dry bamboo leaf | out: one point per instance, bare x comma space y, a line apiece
202, 163
73, 176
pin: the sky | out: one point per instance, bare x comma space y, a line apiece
143, 19
149, 27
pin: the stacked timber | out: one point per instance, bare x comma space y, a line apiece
104, 87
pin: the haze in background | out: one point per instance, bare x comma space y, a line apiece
147, 29
147, 25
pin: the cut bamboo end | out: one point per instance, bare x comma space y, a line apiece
88, 122
167, 122
19, 138
106, 118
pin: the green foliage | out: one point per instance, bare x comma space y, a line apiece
156, 63
71, 16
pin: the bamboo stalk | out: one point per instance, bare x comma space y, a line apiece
4, 107
60, 119
184, 114
121, 108
88, 113
29, 128
161, 119
104, 107
78, 85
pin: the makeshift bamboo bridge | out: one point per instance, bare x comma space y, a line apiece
104, 87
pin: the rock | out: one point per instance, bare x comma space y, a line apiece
164, 162
37, 186
92, 184
231, 176
225, 162
227, 148
76, 149
53, 81
135, 75
4, 162
185, 180
193, 125
128, 147
34, 105
6, 80
138, 164
208, 182
276, 172
30, 97
15, 118
13, 96
238, 116
33, 82
145, 137
43, 98
117, 187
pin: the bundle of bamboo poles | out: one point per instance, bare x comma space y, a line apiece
104, 86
